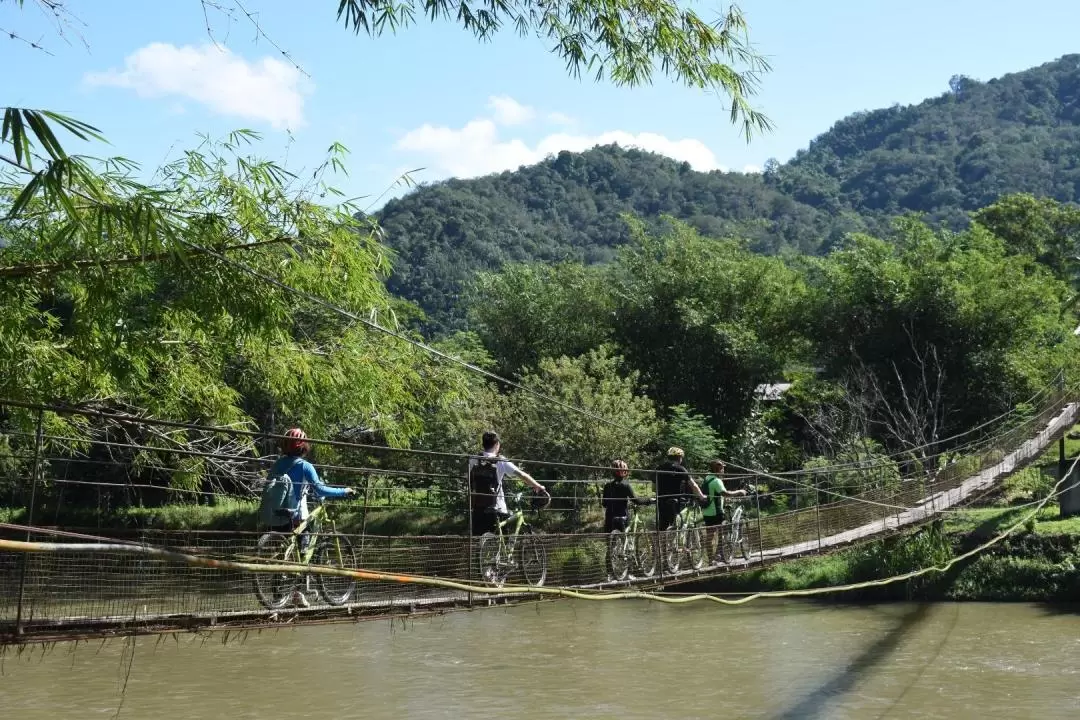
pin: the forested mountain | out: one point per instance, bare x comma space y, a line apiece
946, 157
954, 153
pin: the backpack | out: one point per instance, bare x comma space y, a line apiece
484, 482
275, 503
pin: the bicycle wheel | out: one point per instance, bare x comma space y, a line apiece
493, 567
337, 552
743, 544
274, 590
695, 547
645, 554
533, 558
672, 549
618, 561
722, 554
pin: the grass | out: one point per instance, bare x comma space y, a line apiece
984, 523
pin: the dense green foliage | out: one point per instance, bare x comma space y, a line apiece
138, 300
915, 339
635, 303
946, 157
569, 208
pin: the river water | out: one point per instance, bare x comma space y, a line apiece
619, 659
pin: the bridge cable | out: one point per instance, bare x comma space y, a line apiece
392, 333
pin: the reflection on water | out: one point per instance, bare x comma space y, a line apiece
625, 659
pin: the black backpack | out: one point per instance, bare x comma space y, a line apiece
484, 483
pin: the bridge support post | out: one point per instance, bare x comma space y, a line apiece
1069, 500
817, 521
760, 534
473, 563
1061, 456
34, 473
659, 547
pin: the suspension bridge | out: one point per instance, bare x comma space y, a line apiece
61, 580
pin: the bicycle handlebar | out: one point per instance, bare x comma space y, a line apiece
519, 495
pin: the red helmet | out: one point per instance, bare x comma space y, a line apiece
294, 442
621, 468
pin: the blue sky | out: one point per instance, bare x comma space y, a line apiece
433, 97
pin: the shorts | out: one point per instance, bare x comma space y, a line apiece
615, 523
714, 520
483, 520
667, 510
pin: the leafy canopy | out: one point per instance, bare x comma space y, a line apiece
119, 291
623, 40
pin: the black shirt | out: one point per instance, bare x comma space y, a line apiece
616, 497
671, 481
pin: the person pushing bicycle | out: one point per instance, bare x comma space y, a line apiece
673, 482
487, 498
305, 479
713, 512
617, 496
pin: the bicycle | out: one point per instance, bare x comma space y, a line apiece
274, 590
686, 536
734, 536
634, 545
497, 549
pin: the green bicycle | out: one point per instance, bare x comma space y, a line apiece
498, 549
686, 538
274, 590
633, 547
734, 536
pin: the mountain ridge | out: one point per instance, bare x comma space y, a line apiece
944, 157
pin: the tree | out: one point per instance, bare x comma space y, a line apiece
529, 312
1041, 228
704, 321
151, 300
623, 40
954, 315
597, 382
692, 432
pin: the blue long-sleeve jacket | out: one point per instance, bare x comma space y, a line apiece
302, 473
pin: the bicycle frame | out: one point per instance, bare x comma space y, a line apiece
517, 518
319, 513
636, 525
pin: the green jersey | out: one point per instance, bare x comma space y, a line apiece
714, 489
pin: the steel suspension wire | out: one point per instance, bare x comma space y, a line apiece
310, 297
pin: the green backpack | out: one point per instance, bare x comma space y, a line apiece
275, 506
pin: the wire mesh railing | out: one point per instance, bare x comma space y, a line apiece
41, 591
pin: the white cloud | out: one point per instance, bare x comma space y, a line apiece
509, 111
266, 90
558, 118
477, 148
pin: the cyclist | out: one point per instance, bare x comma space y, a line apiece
672, 482
616, 498
713, 512
487, 501
294, 446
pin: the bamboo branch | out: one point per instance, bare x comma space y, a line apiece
48, 268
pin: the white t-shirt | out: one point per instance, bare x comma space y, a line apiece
502, 469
